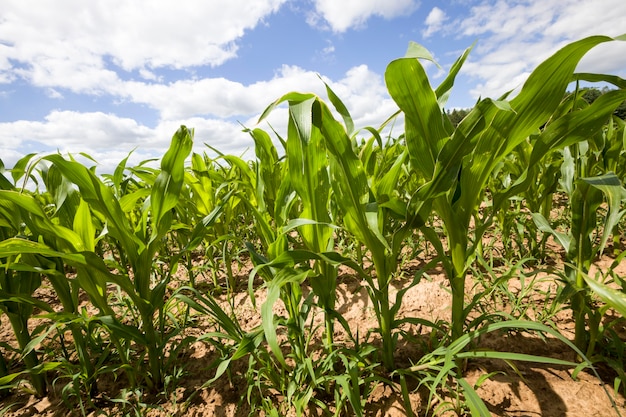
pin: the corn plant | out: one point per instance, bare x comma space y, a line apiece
18, 281
581, 248
33, 229
136, 243
362, 214
437, 370
456, 163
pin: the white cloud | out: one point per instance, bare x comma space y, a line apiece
340, 16
209, 106
514, 37
109, 138
434, 21
65, 130
52, 93
149, 75
218, 96
69, 43
365, 95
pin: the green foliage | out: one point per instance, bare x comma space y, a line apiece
131, 246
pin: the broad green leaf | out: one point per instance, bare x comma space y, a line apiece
475, 403
615, 299
308, 173
83, 226
349, 181
541, 94
166, 189
542, 223
39, 223
417, 51
101, 199
577, 126
612, 188
444, 89
284, 277
341, 108
425, 133
19, 169
292, 97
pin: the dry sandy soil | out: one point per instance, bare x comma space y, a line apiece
537, 390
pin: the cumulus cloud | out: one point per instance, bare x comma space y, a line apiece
215, 108
514, 37
434, 21
108, 138
340, 16
108, 49
73, 43
218, 97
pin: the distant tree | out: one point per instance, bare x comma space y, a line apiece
620, 111
456, 115
591, 94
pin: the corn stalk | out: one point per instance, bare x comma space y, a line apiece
456, 163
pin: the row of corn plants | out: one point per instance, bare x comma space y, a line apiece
113, 247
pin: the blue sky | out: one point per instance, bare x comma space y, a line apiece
106, 77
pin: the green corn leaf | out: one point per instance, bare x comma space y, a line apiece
202, 184
417, 51
425, 133
563, 238
308, 174
269, 177
88, 260
348, 180
123, 330
532, 107
83, 226
612, 188
249, 343
512, 356
166, 189
19, 169
577, 126
291, 97
283, 277
43, 368
38, 221
101, 199
5, 184
444, 89
606, 78
128, 202
387, 185
584, 204
118, 174
475, 403
23, 299
613, 298
341, 108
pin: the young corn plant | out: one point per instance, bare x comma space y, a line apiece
582, 247
28, 255
136, 243
365, 207
438, 372
18, 280
17, 284
455, 164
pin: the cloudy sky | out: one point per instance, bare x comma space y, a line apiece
108, 76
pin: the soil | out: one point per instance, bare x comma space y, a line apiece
525, 389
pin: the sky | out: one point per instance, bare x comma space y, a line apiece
111, 77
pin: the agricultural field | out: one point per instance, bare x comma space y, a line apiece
471, 268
